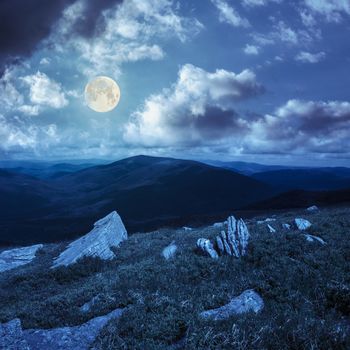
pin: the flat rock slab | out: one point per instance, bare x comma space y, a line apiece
248, 301
66, 338
10, 259
107, 233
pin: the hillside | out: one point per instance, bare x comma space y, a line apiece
312, 179
305, 287
148, 192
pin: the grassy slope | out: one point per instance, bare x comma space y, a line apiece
305, 287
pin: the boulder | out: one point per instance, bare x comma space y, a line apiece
207, 247
12, 336
169, 251
312, 209
10, 259
271, 229
302, 224
107, 233
311, 238
186, 228
248, 301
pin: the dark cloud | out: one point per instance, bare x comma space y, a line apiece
24, 23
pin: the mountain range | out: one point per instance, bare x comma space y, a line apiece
149, 192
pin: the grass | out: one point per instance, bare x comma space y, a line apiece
305, 286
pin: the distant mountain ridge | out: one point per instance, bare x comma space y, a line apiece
146, 191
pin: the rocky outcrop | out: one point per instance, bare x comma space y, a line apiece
302, 224
248, 301
271, 229
234, 242
107, 233
312, 209
169, 251
10, 259
286, 226
207, 247
237, 236
311, 238
12, 336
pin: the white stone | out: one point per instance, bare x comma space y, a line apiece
219, 224
311, 238
302, 224
186, 228
312, 209
286, 226
207, 247
169, 251
227, 247
220, 245
272, 230
81, 337
107, 233
248, 301
266, 220
10, 259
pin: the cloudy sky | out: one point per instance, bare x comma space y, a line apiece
256, 80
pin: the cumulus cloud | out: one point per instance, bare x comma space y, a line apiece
197, 109
251, 49
131, 31
254, 3
227, 14
44, 91
333, 10
302, 127
15, 135
308, 57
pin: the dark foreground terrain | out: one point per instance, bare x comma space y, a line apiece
305, 287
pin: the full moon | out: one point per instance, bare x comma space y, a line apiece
102, 94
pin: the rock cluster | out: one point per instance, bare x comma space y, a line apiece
248, 301
107, 233
10, 259
234, 242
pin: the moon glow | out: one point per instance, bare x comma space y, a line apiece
102, 94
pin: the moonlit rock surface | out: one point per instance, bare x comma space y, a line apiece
13, 337
107, 233
220, 245
186, 228
311, 238
286, 226
10, 259
302, 224
312, 209
169, 251
271, 229
248, 301
207, 247
266, 220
